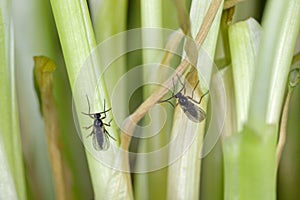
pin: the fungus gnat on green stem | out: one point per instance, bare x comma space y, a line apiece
187, 103
99, 133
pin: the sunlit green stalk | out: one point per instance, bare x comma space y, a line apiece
107, 23
184, 174
77, 39
13, 183
281, 24
240, 173
249, 157
151, 17
244, 40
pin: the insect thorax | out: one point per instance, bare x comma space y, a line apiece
182, 100
98, 122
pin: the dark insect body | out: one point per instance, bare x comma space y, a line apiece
187, 103
99, 133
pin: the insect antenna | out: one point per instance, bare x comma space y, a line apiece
91, 114
203, 96
195, 89
183, 85
105, 111
88, 114
168, 99
198, 102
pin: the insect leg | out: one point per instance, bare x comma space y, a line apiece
90, 134
105, 111
88, 127
183, 85
106, 132
171, 103
198, 102
195, 89
107, 124
167, 100
87, 98
88, 114
173, 92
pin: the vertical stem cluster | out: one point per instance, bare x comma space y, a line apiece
77, 39
249, 156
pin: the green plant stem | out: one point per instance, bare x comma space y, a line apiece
226, 20
244, 40
249, 165
242, 175
77, 39
107, 23
158, 94
186, 170
281, 23
250, 156
11, 148
151, 17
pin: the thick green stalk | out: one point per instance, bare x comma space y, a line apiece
241, 173
249, 157
107, 23
281, 25
77, 39
30, 40
244, 41
12, 170
249, 163
147, 183
212, 178
186, 170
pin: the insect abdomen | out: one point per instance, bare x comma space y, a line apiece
99, 137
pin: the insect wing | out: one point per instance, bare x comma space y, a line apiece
95, 143
193, 112
100, 140
106, 142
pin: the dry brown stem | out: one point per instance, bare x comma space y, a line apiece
140, 112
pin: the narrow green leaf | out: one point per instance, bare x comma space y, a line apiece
10, 138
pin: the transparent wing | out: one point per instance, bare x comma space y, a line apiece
100, 140
193, 112
106, 142
95, 143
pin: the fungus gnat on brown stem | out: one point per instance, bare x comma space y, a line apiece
187, 103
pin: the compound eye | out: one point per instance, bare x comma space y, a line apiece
182, 100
